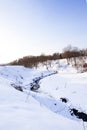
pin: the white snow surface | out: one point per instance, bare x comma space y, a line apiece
41, 110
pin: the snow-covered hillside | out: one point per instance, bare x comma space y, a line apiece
59, 66
44, 108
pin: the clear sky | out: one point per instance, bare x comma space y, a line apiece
32, 27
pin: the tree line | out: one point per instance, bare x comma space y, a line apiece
69, 53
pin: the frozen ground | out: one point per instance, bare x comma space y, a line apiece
43, 109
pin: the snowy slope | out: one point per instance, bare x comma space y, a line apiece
59, 66
70, 86
41, 110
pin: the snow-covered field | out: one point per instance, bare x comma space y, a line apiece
42, 109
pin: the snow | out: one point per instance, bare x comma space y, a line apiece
71, 86
59, 66
41, 110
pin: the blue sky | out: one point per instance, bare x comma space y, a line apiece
32, 27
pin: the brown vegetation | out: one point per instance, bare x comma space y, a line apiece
72, 54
